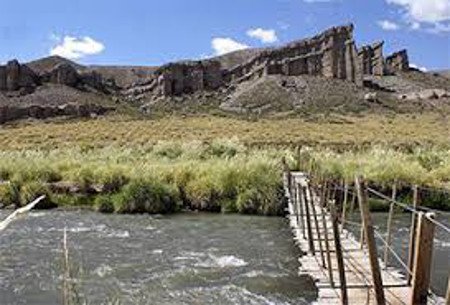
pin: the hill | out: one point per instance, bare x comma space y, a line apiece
322, 74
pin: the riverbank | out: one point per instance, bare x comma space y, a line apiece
223, 176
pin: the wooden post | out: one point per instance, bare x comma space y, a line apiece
295, 202
339, 256
370, 239
422, 259
412, 235
316, 224
302, 201
344, 205
389, 225
325, 229
287, 172
308, 226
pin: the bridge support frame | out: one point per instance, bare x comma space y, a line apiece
423, 254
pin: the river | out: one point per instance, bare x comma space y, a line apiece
140, 259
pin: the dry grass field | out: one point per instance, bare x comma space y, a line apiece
333, 131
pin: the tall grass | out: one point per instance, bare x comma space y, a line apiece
218, 176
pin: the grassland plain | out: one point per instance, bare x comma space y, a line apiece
331, 130
220, 164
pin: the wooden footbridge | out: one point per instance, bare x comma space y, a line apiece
348, 270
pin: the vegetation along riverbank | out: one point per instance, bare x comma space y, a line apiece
133, 170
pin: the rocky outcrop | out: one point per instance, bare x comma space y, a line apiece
188, 77
397, 62
63, 74
331, 54
15, 76
371, 59
427, 94
11, 113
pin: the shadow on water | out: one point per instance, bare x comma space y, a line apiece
140, 259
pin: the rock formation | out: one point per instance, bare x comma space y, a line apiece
10, 113
331, 54
397, 62
188, 77
371, 59
15, 76
63, 74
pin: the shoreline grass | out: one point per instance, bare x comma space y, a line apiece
221, 176
117, 164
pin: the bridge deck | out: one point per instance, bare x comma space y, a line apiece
356, 260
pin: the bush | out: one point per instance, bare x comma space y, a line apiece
10, 194
31, 191
104, 204
146, 196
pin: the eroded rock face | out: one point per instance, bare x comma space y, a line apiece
371, 58
189, 77
15, 76
331, 54
11, 113
397, 62
63, 74
428, 94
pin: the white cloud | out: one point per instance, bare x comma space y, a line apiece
423, 69
430, 11
388, 25
75, 48
223, 45
415, 25
265, 36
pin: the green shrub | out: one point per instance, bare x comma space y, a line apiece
32, 190
146, 196
104, 204
10, 194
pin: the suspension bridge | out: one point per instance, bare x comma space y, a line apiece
347, 268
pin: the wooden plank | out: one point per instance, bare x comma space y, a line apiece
370, 239
422, 260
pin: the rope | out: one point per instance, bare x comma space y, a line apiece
382, 196
442, 226
393, 252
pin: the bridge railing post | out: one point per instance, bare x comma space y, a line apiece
389, 225
412, 234
308, 223
301, 209
339, 255
423, 255
361, 189
323, 204
316, 224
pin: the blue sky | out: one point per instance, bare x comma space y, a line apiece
147, 32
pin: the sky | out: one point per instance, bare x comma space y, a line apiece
148, 32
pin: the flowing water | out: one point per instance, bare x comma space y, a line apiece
181, 259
